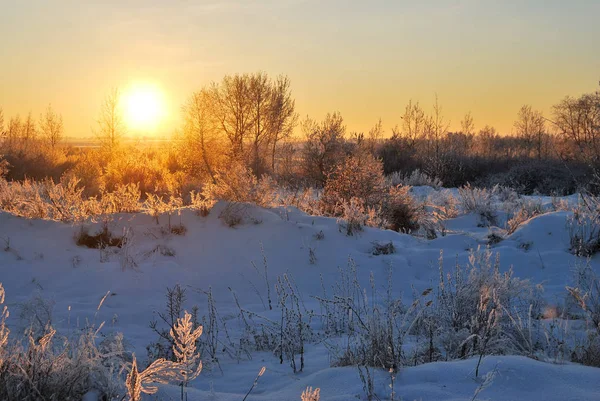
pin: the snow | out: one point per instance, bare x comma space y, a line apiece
44, 261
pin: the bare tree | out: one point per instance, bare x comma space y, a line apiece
51, 127
111, 127
467, 125
233, 110
487, 139
28, 133
283, 116
260, 96
436, 128
413, 124
201, 133
375, 135
13, 133
577, 120
530, 128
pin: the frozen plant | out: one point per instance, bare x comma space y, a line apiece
478, 201
311, 395
184, 349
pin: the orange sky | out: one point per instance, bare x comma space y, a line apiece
365, 59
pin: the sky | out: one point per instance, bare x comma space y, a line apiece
365, 59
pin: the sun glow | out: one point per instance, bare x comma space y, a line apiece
144, 107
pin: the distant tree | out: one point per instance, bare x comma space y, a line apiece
413, 125
467, 125
203, 143
375, 135
577, 120
1, 123
111, 127
234, 110
283, 116
436, 128
260, 95
254, 113
530, 129
13, 133
51, 127
28, 133
487, 139
323, 147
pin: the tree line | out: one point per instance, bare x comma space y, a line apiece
251, 119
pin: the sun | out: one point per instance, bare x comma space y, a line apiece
144, 107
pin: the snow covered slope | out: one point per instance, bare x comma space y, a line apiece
42, 259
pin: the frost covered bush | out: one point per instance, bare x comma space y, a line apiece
584, 228
186, 367
239, 184
478, 201
44, 199
444, 204
124, 199
50, 367
527, 210
311, 395
414, 179
477, 307
376, 327
356, 192
359, 177
505, 194
586, 295
4, 166
201, 204
400, 210
305, 199
65, 200
353, 216
476, 310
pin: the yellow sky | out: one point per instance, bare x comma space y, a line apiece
365, 59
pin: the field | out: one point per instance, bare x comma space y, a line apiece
296, 294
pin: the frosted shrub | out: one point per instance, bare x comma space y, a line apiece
201, 204
353, 216
527, 210
44, 199
239, 184
46, 366
306, 199
4, 166
400, 210
359, 177
155, 205
124, 199
505, 194
584, 230
478, 201
357, 194
476, 307
233, 214
414, 179
376, 327
311, 395
586, 294
185, 366
3, 329
444, 204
